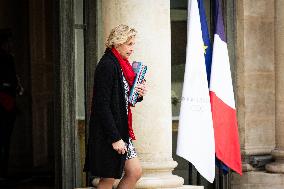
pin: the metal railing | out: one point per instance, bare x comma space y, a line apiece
221, 181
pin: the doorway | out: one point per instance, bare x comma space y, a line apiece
32, 154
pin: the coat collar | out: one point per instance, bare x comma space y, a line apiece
109, 54
112, 56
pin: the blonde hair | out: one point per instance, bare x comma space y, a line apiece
119, 35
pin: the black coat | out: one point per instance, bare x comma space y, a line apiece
108, 120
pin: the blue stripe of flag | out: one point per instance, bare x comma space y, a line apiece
219, 23
206, 39
208, 51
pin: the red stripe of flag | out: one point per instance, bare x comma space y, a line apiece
225, 131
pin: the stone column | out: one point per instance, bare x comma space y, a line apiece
278, 153
259, 89
255, 81
152, 118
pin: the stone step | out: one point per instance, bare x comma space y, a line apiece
191, 187
183, 187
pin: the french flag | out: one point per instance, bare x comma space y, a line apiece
227, 147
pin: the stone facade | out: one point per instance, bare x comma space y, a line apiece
278, 152
255, 76
258, 86
259, 53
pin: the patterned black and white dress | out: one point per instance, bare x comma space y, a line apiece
131, 152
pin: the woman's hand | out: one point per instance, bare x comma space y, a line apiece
119, 146
141, 89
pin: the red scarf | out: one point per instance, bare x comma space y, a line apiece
129, 75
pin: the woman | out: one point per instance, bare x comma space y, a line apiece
110, 148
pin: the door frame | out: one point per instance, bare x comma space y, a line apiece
65, 99
91, 57
67, 166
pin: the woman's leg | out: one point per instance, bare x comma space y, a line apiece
106, 183
133, 172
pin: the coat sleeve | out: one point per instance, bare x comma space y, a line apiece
103, 86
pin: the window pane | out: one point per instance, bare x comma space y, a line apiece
79, 73
78, 11
178, 32
178, 4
